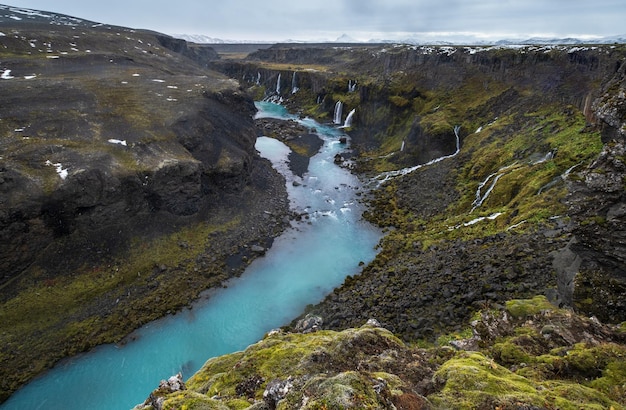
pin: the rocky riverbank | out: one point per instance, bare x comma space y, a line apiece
130, 184
304, 143
525, 354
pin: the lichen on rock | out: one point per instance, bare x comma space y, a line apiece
527, 355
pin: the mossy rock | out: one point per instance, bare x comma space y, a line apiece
326, 369
520, 308
472, 380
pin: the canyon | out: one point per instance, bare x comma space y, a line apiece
130, 184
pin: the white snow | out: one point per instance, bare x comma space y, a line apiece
6, 75
136, 75
52, 57
59, 167
120, 142
172, 86
158, 81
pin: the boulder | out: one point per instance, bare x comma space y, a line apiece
310, 323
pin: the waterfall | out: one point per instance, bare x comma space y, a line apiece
386, 176
278, 85
338, 112
402, 146
348, 122
351, 86
480, 198
258, 78
294, 87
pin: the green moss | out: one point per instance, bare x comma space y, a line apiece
296, 355
445, 340
520, 308
613, 380
188, 400
508, 353
471, 380
399, 101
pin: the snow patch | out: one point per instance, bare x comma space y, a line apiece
59, 168
6, 74
119, 142
156, 80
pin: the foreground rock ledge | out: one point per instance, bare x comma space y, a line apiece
528, 354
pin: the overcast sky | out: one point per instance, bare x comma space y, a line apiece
279, 20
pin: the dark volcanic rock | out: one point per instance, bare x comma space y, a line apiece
114, 140
101, 137
303, 143
420, 294
597, 203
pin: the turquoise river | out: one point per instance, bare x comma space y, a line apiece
303, 265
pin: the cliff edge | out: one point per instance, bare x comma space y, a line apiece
129, 183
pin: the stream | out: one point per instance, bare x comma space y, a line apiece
304, 264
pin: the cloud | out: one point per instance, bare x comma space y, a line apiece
281, 19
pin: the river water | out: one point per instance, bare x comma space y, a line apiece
303, 265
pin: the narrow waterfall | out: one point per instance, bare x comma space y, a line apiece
386, 176
278, 85
348, 122
480, 197
351, 86
338, 112
294, 84
258, 78
402, 146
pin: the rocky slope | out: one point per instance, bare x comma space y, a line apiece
525, 355
511, 214
129, 183
532, 203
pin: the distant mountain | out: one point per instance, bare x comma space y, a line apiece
344, 38
203, 39
416, 40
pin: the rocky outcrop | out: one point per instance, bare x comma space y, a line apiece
201, 54
524, 355
126, 157
597, 203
